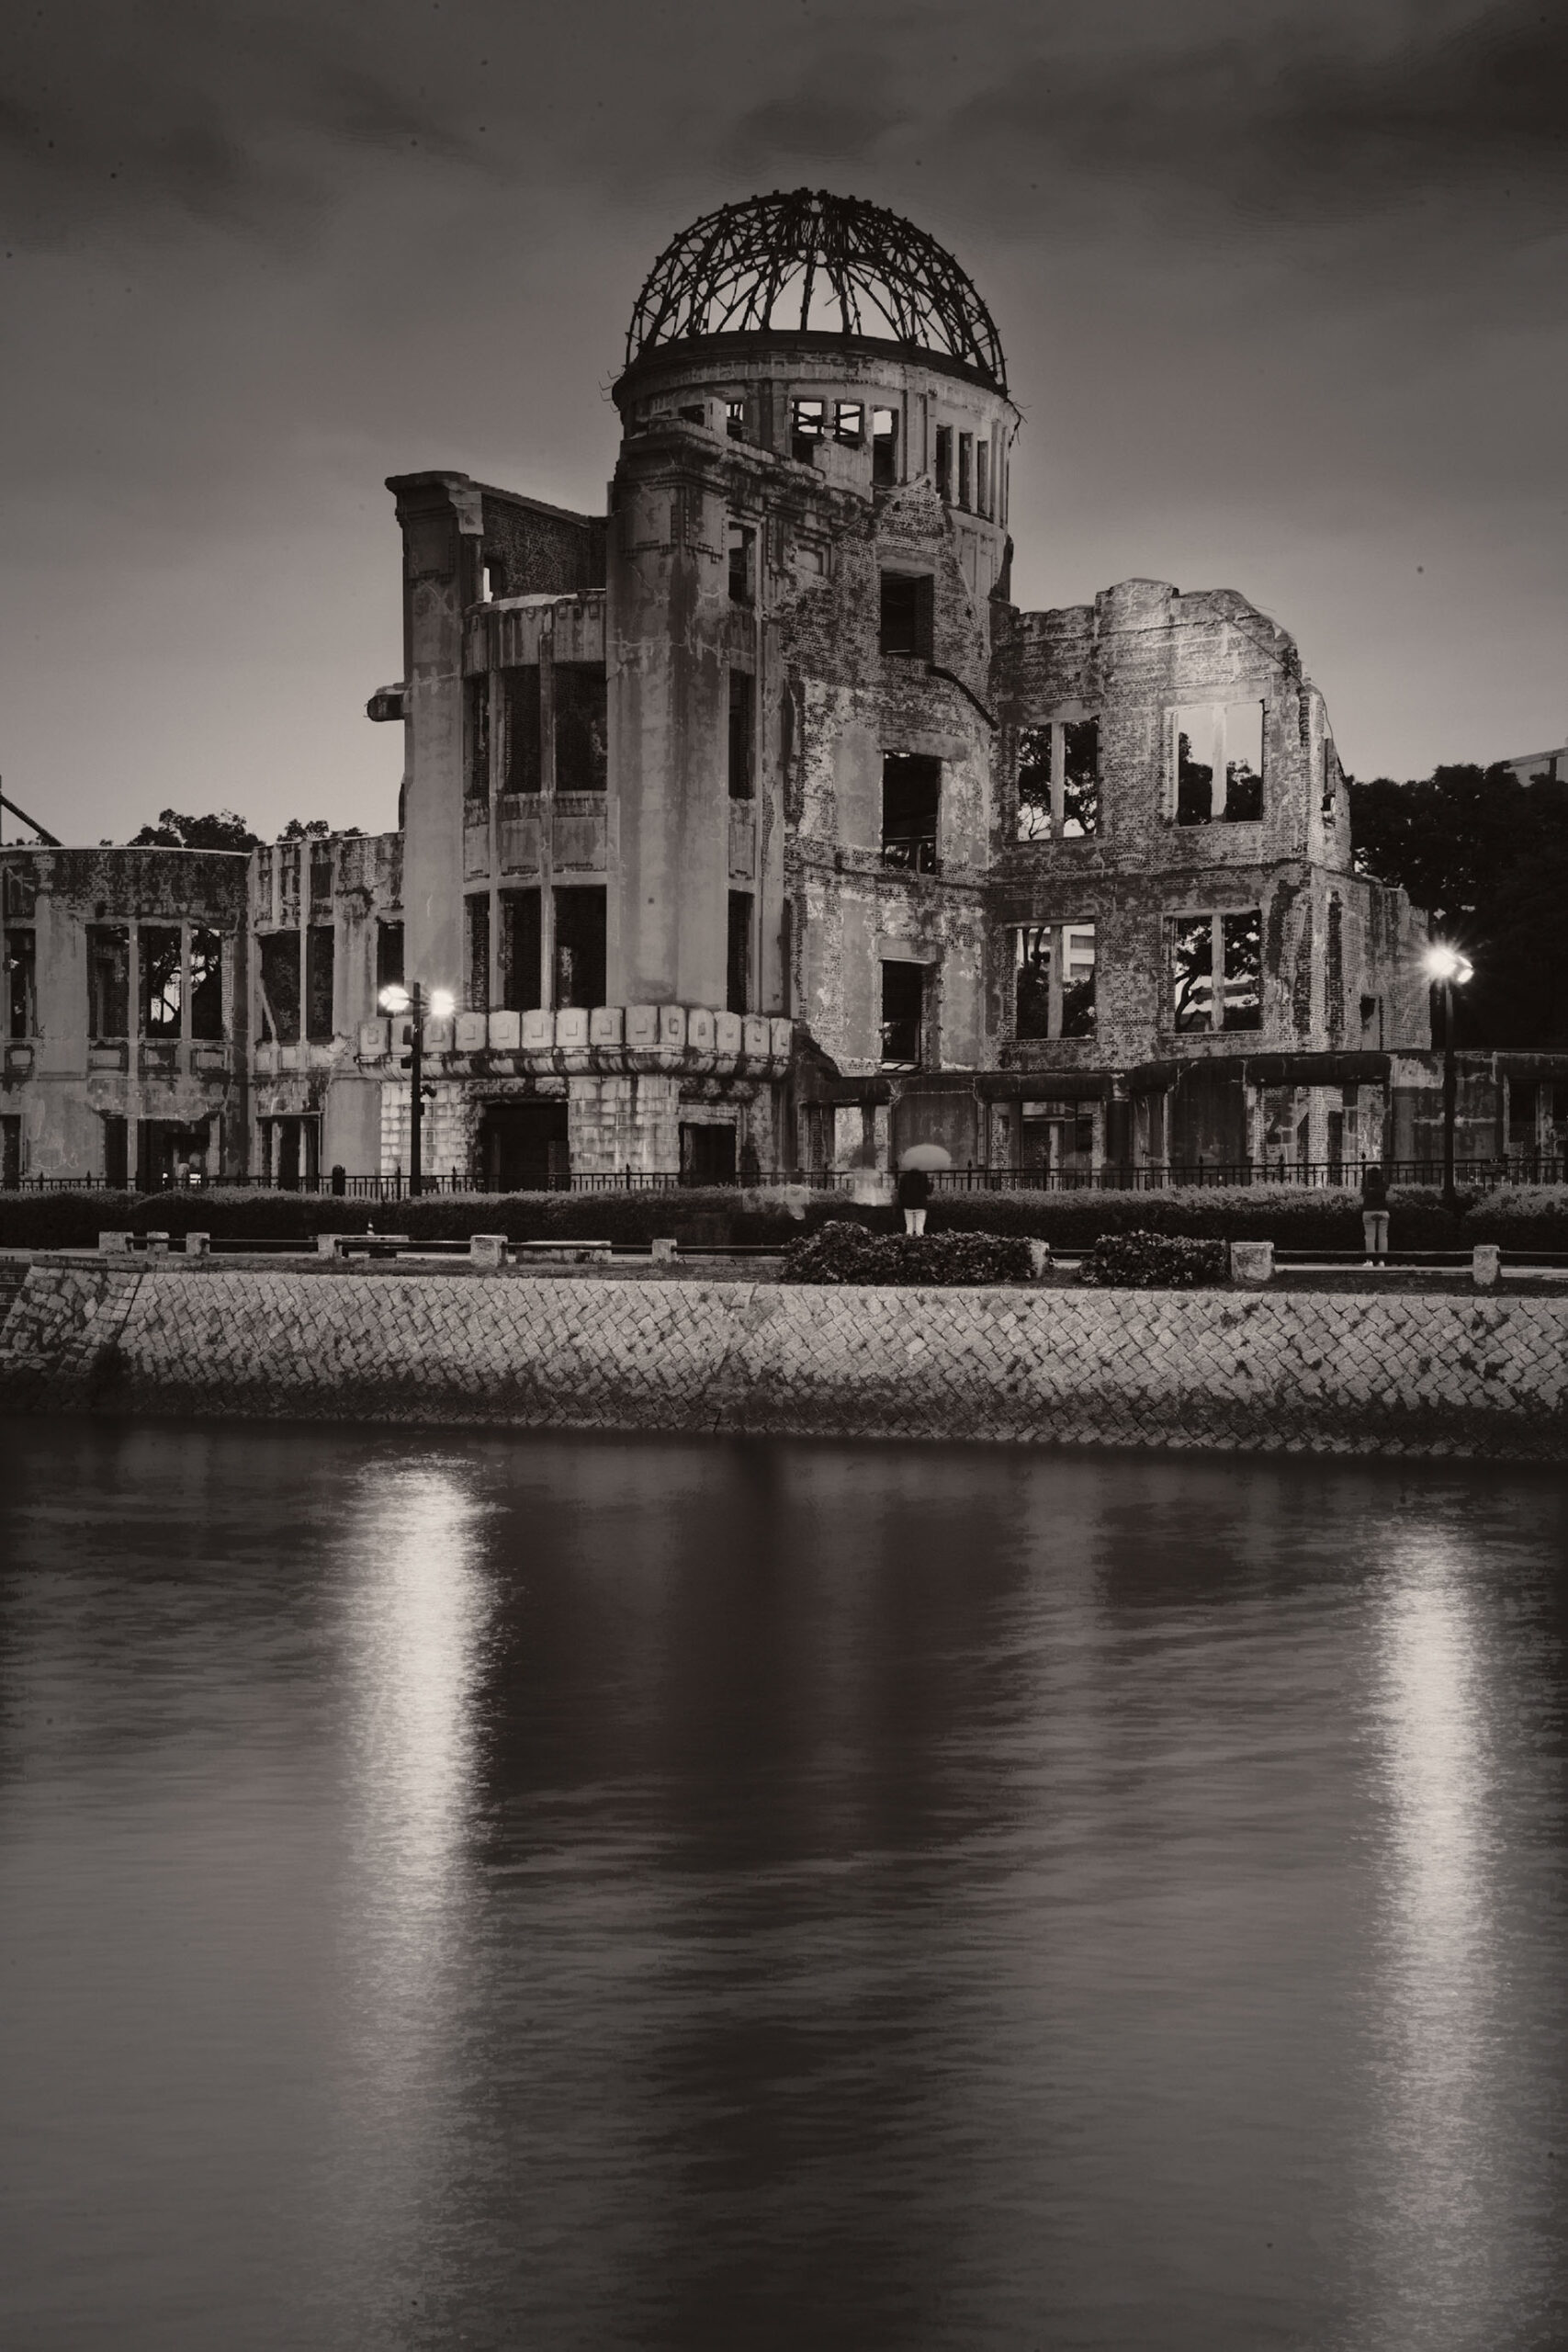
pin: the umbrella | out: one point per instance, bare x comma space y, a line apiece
925, 1155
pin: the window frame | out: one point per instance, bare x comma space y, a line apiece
1219, 1020
1219, 713
1054, 811
1059, 933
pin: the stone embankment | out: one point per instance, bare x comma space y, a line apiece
1406, 1373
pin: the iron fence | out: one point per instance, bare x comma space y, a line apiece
1476, 1175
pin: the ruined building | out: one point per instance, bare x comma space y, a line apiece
753, 828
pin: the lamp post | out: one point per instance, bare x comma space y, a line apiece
397, 1000
1451, 969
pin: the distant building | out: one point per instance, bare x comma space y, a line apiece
1539, 767
753, 827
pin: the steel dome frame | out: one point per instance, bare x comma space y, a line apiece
735, 272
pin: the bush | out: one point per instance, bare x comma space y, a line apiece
1520, 1216
1293, 1216
842, 1252
1154, 1262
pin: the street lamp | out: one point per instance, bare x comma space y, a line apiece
1451, 969
396, 998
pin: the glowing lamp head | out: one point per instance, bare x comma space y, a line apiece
395, 997
1445, 963
442, 1003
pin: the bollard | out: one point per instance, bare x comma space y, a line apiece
198, 1245
1038, 1258
1252, 1262
1485, 1265
157, 1245
114, 1245
326, 1245
665, 1250
487, 1249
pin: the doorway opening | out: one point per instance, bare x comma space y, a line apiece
523, 1148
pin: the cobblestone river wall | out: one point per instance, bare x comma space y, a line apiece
1405, 1374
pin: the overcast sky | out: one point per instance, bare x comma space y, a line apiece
1281, 288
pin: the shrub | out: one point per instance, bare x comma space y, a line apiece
1521, 1216
1154, 1262
842, 1252
1293, 1216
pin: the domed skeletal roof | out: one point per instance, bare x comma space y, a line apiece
814, 263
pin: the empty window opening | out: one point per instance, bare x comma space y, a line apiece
742, 715
521, 761
848, 423
580, 947
320, 960
388, 955
116, 1151
1230, 945
944, 463
1053, 980
741, 540
206, 984
911, 801
280, 987
692, 412
903, 1014
478, 770
476, 945
291, 1153
1058, 780
582, 727
883, 447
523, 1148
734, 419
522, 976
707, 1152
808, 426
21, 983
1057, 1139
161, 979
738, 957
1522, 1116
966, 466
906, 614
108, 983
1219, 762
320, 880
983, 478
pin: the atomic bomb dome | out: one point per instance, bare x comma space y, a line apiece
807, 262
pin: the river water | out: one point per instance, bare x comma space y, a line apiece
566, 1893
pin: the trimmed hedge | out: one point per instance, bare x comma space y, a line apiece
1154, 1262
1292, 1217
845, 1252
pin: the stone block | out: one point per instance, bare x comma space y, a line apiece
471, 1033
115, 1245
157, 1245
571, 1027
780, 1037
727, 1031
538, 1031
755, 1039
664, 1250
198, 1245
673, 1027
374, 1040
1485, 1265
1038, 1258
607, 1023
328, 1245
1252, 1262
505, 1029
642, 1026
487, 1249
438, 1033
700, 1029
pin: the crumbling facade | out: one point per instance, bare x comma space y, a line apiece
753, 827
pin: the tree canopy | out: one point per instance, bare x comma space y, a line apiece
1487, 858
226, 831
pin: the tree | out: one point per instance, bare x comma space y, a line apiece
171, 831
1487, 858
316, 830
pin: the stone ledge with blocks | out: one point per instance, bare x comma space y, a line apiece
602, 1037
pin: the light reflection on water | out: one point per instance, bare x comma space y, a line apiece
498, 1892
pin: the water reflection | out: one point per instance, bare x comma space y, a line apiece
600, 1893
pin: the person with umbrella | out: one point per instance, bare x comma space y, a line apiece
915, 1183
